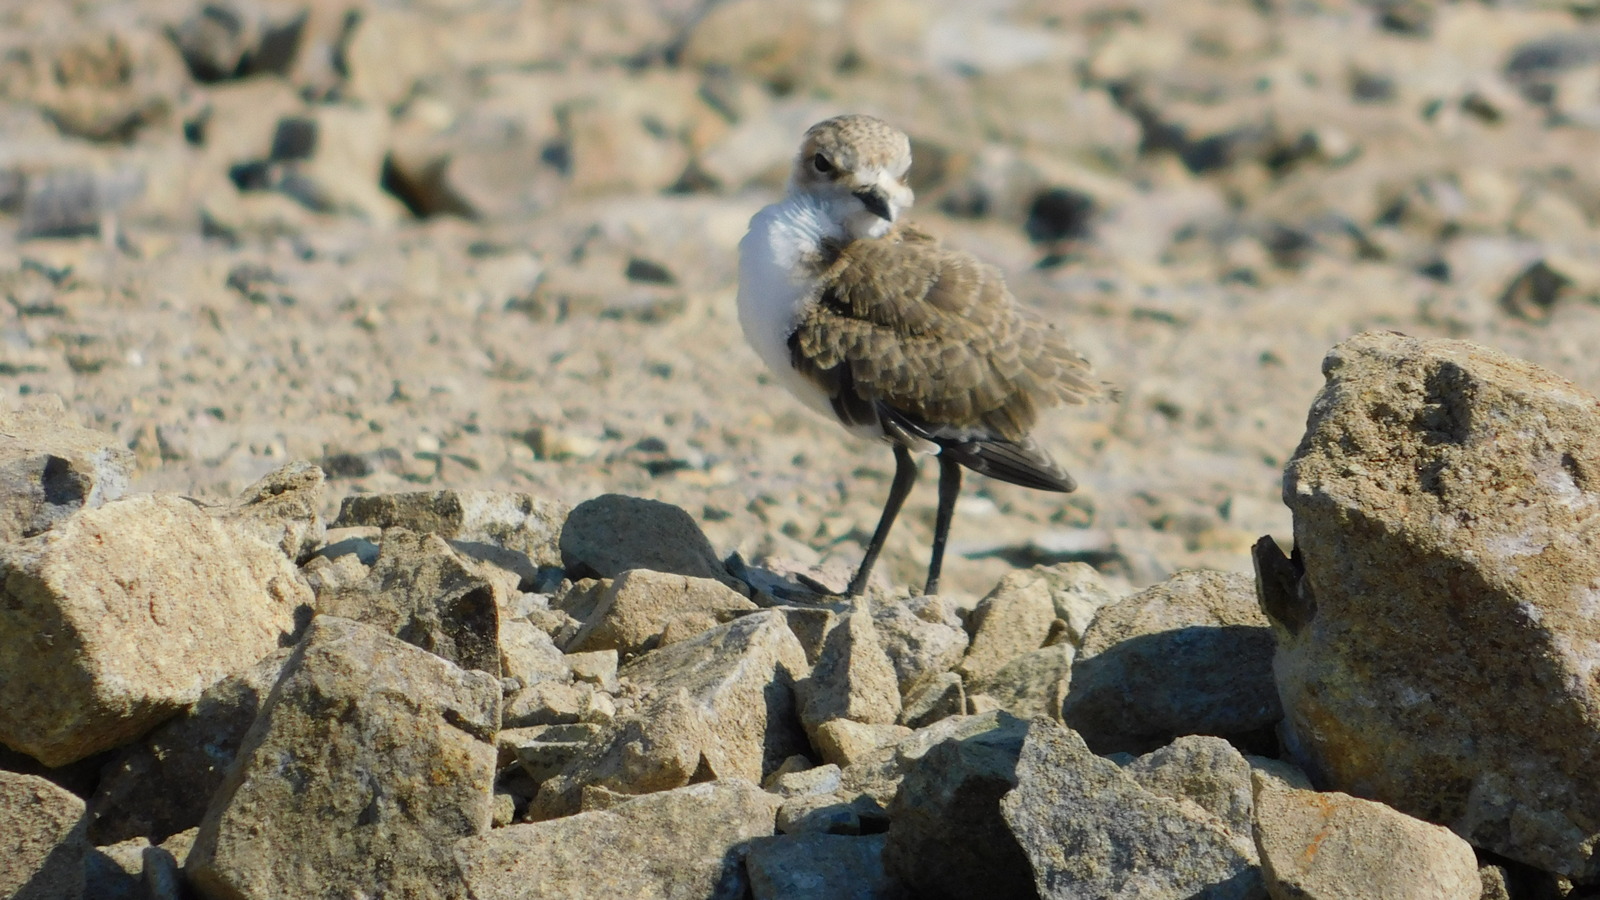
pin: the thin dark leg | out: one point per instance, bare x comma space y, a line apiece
905, 474
949, 489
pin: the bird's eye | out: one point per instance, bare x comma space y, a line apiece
821, 164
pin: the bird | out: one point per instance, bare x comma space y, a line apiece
871, 321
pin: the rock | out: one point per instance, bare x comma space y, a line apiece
852, 678
680, 844
283, 509
163, 784
612, 533
120, 616
843, 742
822, 779
946, 836
1332, 845
529, 655
1089, 830
1441, 498
367, 762
718, 706
548, 703
937, 697
51, 467
1015, 618
1207, 771
236, 38
818, 867
1192, 655
421, 592
638, 607
542, 751
833, 813
485, 525
878, 775
1032, 684
44, 841
116, 872
922, 636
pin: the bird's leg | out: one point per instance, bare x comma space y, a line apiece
905, 474
949, 489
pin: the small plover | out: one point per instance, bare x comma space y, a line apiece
871, 321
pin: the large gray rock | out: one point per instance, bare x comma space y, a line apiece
718, 706
818, 867
681, 844
43, 840
852, 679
120, 616
1091, 831
1332, 846
946, 836
51, 467
1437, 651
423, 593
1192, 655
613, 533
163, 784
367, 762
640, 605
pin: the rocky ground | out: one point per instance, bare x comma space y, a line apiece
489, 247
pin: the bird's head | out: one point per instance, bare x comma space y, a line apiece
857, 166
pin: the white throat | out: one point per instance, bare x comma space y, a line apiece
777, 282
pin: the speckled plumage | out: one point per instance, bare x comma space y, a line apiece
869, 318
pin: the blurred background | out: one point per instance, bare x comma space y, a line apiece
491, 244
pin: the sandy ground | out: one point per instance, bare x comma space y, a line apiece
585, 341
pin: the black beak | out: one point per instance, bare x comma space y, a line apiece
875, 203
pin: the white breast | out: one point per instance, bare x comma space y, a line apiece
775, 289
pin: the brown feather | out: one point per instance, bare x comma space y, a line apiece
933, 334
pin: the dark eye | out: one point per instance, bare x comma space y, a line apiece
821, 164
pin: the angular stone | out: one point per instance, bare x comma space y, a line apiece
1078, 593
529, 655
1032, 684
718, 706
1442, 501
1207, 771
1014, 619
676, 845
878, 775
1089, 830
283, 509
844, 742
42, 840
51, 467
1192, 655
852, 679
613, 533
367, 762
163, 784
120, 616
937, 697
116, 871
423, 593
1332, 846
946, 836
634, 613
818, 867
923, 637
516, 531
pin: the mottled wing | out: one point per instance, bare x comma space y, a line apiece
928, 343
